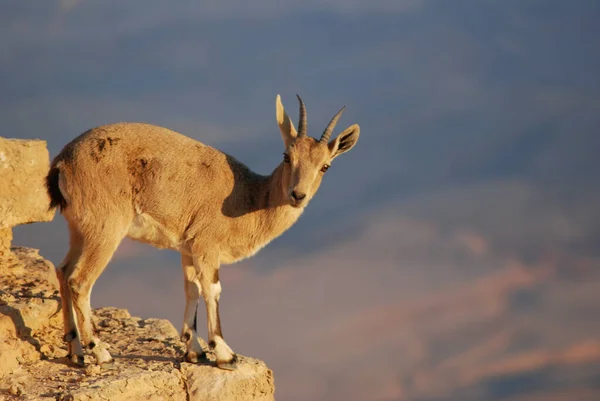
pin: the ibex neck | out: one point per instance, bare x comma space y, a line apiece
266, 216
272, 187
277, 215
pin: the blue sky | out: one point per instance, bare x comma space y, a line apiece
478, 153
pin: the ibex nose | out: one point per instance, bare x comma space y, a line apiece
297, 196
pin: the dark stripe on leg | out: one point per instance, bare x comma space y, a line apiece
195, 325
70, 336
218, 321
217, 332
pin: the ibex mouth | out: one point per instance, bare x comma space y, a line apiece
297, 204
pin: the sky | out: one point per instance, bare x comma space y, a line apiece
453, 254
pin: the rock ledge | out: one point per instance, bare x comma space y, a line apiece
148, 352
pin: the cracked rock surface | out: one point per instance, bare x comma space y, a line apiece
148, 352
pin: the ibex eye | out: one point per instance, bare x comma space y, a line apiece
286, 158
324, 168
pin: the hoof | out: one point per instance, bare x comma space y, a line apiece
76, 360
228, 365
194, 357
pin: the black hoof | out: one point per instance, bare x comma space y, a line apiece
193, 357
76, 360
70, 336
228, 365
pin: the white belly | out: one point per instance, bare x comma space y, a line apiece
145, 229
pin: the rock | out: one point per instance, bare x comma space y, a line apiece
28, 302
23, 199
251, 381
148, 352
92, 370
5, 240
15, 389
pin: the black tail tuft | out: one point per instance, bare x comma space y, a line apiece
56, 197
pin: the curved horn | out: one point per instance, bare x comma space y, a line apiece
302, 121
331, 126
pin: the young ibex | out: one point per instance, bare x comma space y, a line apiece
157, 186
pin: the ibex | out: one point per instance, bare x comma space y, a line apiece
157, 186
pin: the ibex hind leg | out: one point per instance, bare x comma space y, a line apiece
96, 252
63, 273
189, 333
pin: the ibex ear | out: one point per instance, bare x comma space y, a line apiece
288, 131
344, 141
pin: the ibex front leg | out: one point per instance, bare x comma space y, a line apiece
211, 291
189, 333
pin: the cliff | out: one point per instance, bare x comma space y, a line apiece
148, 352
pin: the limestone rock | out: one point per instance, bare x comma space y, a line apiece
148, 352
5, 240
28, 301
23, 167
252, 381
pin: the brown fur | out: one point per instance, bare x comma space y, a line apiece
160, 187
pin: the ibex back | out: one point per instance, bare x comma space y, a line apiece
162, 188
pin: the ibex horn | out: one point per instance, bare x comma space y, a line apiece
331, 126
302, 123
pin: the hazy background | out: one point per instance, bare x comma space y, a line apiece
453, 254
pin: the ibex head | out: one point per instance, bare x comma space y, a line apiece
306, 159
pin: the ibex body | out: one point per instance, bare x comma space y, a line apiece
160, 187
